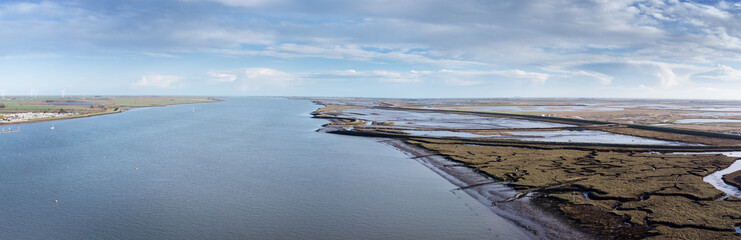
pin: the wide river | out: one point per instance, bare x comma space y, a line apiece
245, 168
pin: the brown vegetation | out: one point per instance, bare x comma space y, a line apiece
733, 179
621, 194
329, 108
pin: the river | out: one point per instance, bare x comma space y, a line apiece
245, 168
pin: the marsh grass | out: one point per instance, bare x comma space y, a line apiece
646, 190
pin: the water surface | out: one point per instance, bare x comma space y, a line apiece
583, 136
705, 120
247, 168
443, 120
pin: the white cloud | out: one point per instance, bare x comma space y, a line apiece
535, 77
254, 79
243, 3
348, 72
666, 75
476, 77
581, 75
374, 75
722, 73
347, 52
451, 77
30, 56
206, 35
163, 55
158, 81
222, 77
676, 43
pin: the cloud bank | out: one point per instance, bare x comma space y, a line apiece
670, 45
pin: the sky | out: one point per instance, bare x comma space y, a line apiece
373, 48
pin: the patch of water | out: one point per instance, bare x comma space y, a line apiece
444, 134
703, 120
654, 106
543, 109
588, 136
716, 178
720, 109
443, 120
586, 195
714, 114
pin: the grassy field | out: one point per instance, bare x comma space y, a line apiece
91, 105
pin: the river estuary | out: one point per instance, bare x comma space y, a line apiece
245, 168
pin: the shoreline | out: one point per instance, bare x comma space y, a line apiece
499, 198
121, 110
618, 190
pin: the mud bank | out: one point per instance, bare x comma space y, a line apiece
513, 205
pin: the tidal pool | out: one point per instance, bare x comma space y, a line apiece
542, 108
585, 136
443, 120
588, 136
705, 120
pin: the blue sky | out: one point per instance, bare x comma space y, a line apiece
373, 48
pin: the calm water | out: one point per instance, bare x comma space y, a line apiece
247, 168
443, 120
583, 136
705, 120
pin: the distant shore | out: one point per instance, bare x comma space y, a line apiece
112, 106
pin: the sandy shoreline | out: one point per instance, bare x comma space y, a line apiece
494, 195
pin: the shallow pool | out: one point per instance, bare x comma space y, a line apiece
443, 120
